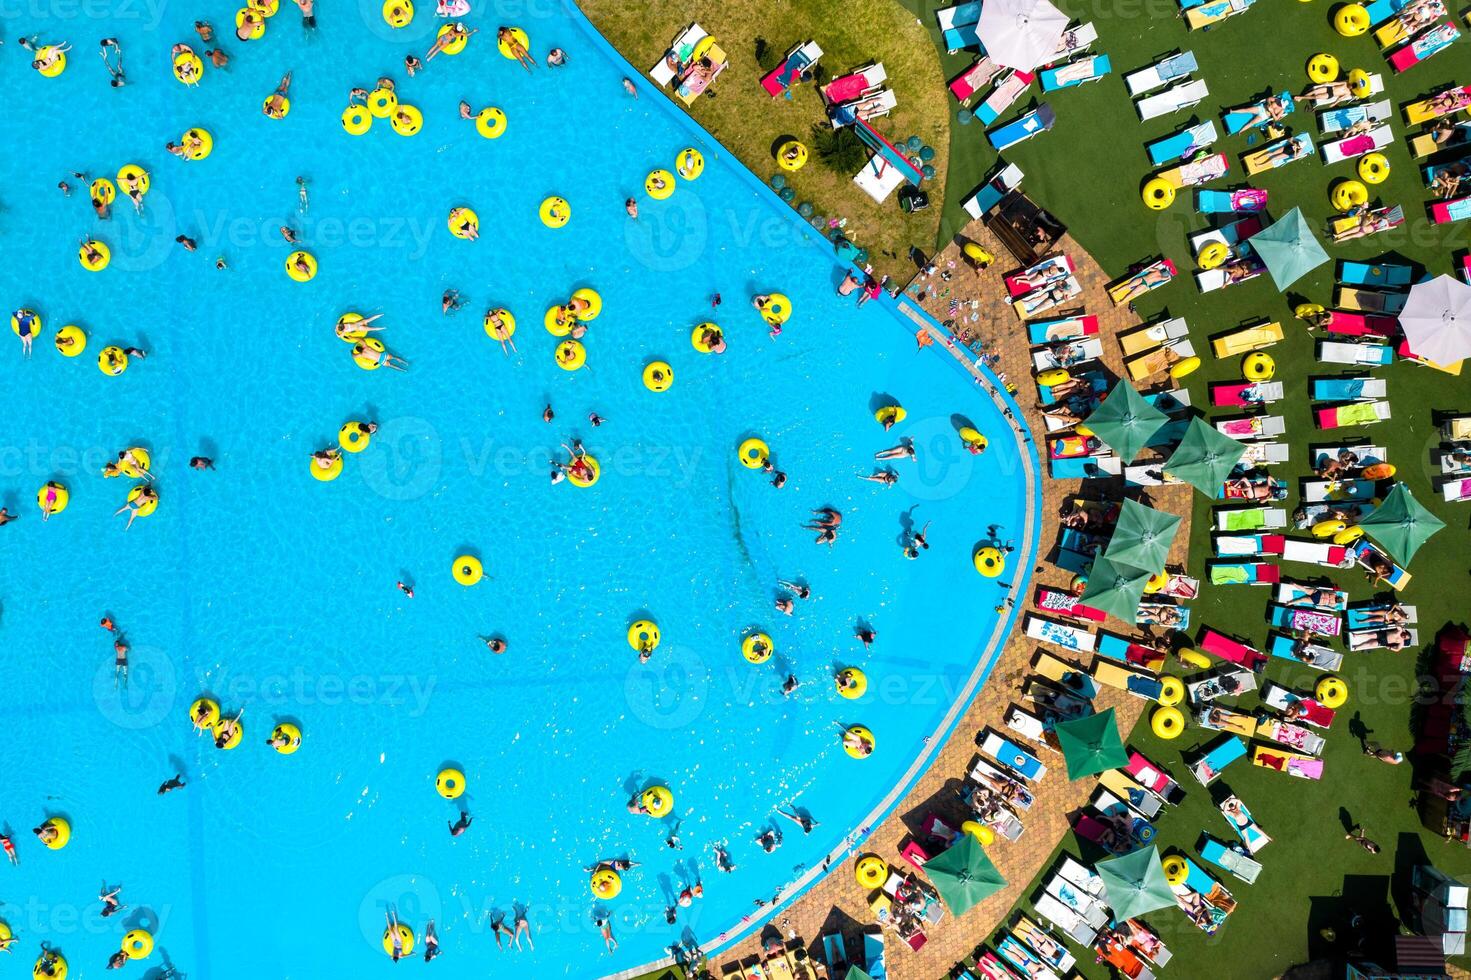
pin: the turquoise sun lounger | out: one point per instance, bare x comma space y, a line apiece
1377, 275
1238, 119
1179, 145
1039, 120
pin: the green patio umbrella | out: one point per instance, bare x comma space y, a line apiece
1135, 884
1125, 421
1091, 744
1401, 524
854, 973
1142, 536
963, 875
1116, 588
1204, 457
1288, 248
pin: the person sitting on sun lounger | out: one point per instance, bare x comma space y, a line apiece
1328, 94
1240, 270
1447, 182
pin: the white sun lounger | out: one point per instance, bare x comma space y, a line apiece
1148, 338
1369, 639
1356, 146
1266, 453
1359, 355
1252, 427
870, 106
1456, 491
1317, 553
1073, 40
1337, 120
1321, 491
993, 191
1065, 920
1060, 634
1148, 475
1161, 73
1173, 99
879, 178
1227, 519
682, 47
1068, 354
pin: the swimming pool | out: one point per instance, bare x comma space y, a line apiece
275, 593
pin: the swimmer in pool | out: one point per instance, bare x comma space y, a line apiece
461, 223
825, 517
228, 728
362, 350
407, 590
594, 419
556, 58
146, 495
518, 921
800, 818
412, 64
26, 326
462, 825
797, 588
177, 782
713, 338
495, 644
217, 57
323, 459
631, 206
5, 517
450, 302
628, 87
855, 742
308, 10
866, 635
887, 477
119, 663
205, 30
109, 901
201, 463
722, 858
769, 840
302, 204
395, 935
498, 927
110, 47
905, 450
784, 605
275, 105
364, 325
431, 938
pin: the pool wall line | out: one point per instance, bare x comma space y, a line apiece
909, 318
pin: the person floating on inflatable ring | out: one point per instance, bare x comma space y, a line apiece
509, 42
276, 105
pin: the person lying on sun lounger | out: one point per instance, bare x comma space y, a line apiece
1420, 14
1447, 133
1270, 109
1286, 152
1391, 638
1327, 95
1142, 282
1370, 222
1389, 615
1063, 415
1239, 270
1243, 488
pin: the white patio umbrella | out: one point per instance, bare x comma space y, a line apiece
1020, 34
1436, 320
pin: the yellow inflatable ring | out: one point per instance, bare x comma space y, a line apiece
491, 123
689, 164
555, 212
1322, 68
972, 439
1175, 869
571, 355
455, 46
1348, 535
405, 934
398, 13
103, 191
658, 800
606, 883
1373, 168
1326, 529
983, 834
594, 304
407, 120
200, 143
15, 321
94, 255
697, 337
658, 376
643, 636
757, 648
237, 732
753, 454
791, 155
267, 7
307, 259
1193, 658
871, 871
1053, 376
291, 733
204, 713
71, 340
1331, 692
1156, 582
58, 969
586, 481
363, 360
506, 330
1348, 194
137, 945
382, 102
1167, 722
1171, 691
1184, 366
458, 217
357, 120
63, 833
450, 784
865, 736
148, 507
1359, 83
852, 683
1213, 255
112, 361
558, 321
132, 174
257, 23
776, 309
521, 39
188, 68
468, 570
56, 67
1351, 20
990, 562
326, 474
890, 415
1258, 366
1158, 193
127, 468
354, 437
344, 330
280, 111
659, 184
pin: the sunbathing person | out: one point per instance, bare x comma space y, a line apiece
1271, 109
1369, 223
1328, 94
1246, 489
1447, 182
1285, 152
1419, 15
1393, 638
518, 50
1391, 614
1142, 282
1449, 101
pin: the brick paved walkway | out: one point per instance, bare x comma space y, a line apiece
837, 901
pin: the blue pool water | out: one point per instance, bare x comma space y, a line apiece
275, 593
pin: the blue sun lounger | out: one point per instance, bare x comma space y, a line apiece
1094, 379
1309, 654
1337, 120
1397, 579
1357, 615
1376, 274
1209, 765
1231, 860
1089, 68
1243, 200
958, 25
1218, 900
834, 951
1086, 468
1243, 573
1017, 759
1382, 10
873, 954
1238, 119
1180, 145
1019, 130
1346, 389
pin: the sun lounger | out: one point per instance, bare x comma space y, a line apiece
1089, 68
1205, 901
1257, 488
1374, 638
1065, 920
1120, 784
1124, 828
1252, 427
1246, 200
1012, 756
1231, 235
1457, 428
1231, 860
1023, 128
1005, 180
1242, 573
1242, 269
1444, 212
1151, 277
1250, 518
1241, 394
1230, 682
1218, 719
1160, 359
1047, 298
1129, 652
1319, 491
1073, 40
1292, 763
1314, 622
1308, 710
1198, 171
1140, 683
1294, 737
1161, 73
1182, 144
1065, 328
1095, 381
1358, 616
1039, 276
1058, 634
1318, 552
1044, 944
1246, 339
1002, 781
1153, 778
1340, 416
1370, 223
1376, 275
1085, 468
1248, 545
855, 85
1252, 837
1212, 13
692, 83
1363, 550
679, 55
1271, 157
1152, 336
1369, 300
1424, 144
1084, 897
1426, 44
880, 103
1356, 145
1083, 878
1066, 676
958, 26
1357, 355
1024, 959
1260, 454
794, 66
1456, 99
1300, 596
1454, 463
1356, 455
1345, 389
1030, 726
1304, 652
1066, 604
1208, 765
1337, 120
1164, 614
1181, 95
1381, 10
1235, 120
1350, 324
1003, 96
1234, 651
969, 82
1149, 475
1456, 491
